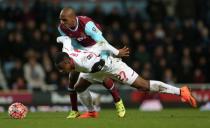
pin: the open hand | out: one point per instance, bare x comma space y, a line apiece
123, 52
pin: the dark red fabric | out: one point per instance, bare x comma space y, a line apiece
109, 84
73, 98
80, 34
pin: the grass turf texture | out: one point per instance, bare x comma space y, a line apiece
168, 118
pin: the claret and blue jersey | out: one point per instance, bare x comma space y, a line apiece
86, 33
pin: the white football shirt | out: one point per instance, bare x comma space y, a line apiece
83, 60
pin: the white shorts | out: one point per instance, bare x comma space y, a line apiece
115, 69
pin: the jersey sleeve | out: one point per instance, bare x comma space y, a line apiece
61, 32
67, 43
92, 31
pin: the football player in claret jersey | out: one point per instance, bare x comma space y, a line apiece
96, 69
88, 36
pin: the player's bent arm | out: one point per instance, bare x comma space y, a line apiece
66, 41
67, 45
96, 34
73, 77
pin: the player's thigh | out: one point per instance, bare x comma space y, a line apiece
87, 76
93, 77
82, 84
124, 73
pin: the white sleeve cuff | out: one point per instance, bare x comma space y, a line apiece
111, 48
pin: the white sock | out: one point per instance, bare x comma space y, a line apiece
86, 100
158, 86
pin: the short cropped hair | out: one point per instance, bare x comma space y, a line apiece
60, 57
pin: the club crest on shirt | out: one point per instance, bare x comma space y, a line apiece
94, 29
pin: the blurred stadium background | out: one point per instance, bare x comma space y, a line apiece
169, 41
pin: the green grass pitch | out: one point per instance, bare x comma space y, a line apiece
168, 118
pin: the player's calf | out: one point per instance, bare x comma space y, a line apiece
73, 99
109, 84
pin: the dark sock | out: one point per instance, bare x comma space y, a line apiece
109, 84
73, 98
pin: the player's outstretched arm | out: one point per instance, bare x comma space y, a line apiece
96, 34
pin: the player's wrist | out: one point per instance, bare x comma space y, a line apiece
116, 52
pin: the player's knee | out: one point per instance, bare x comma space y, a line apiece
141, 84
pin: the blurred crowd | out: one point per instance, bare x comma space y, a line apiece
172, 49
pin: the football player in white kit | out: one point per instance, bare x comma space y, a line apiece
95, 69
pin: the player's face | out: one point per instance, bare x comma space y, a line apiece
68, 21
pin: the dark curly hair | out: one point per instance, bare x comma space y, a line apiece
60, 57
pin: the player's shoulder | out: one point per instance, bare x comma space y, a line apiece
60, 26
84, 18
